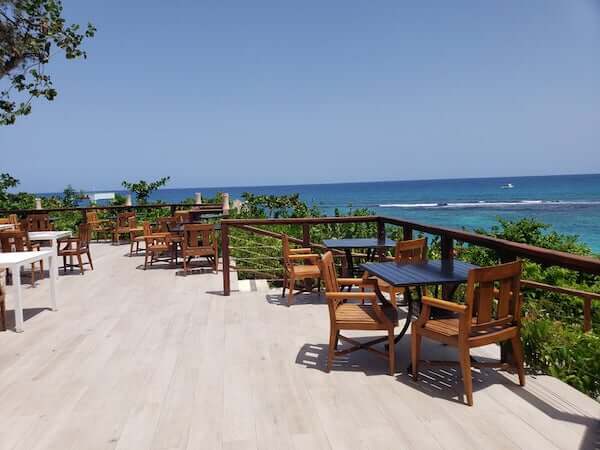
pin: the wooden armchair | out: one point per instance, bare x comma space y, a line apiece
405, 252
122, 226
345, 315
76, 246
98, 226
18, 241
199, 240
38, 222
157, 245
294, 271
490, 315
136, 235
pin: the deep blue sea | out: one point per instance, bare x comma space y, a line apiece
570, 203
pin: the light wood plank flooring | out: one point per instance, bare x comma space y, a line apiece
153, 360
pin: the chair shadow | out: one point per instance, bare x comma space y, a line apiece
303, 298
444, 382
28, 313
314, 356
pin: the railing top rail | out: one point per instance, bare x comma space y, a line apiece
301, 220
208, 207
507, 248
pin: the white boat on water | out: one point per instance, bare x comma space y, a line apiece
507, 186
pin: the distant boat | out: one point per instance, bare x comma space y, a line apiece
507, 186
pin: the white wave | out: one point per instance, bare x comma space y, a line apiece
490, 204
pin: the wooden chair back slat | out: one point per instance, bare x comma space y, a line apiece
123, 219
165, 223
14, 241
198, 235
38, 222
493, 293
411, 251
328, 273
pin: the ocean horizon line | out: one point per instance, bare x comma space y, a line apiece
338, 183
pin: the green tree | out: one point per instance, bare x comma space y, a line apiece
31, 32
8, 200
142, 189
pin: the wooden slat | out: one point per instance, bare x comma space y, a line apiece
486, 297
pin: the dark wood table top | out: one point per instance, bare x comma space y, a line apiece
179, 227
435, 271
358, 243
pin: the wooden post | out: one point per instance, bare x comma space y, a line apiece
173, 209
305, 235
225, 256
84, 212
587, 314
447, 247
381, 237
225, 204
308, 283
407, 233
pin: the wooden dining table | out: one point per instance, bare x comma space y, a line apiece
373, 246
423, 273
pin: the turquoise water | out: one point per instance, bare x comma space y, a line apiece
570, 203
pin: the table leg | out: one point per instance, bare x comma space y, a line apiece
18, 299
349, 263
53, 263
409, 314
53, 271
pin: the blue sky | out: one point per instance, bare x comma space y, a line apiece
226, 93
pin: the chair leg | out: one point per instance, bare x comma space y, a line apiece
146, 253
90, 259
392, 352
465, 364
333, 338
285, 280
517, 349
41, 269
3, 315
80, 262
415, 352
65, 263
185, 267
32, 274
130, 247
291, 290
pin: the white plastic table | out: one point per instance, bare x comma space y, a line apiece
14, 261
53, 237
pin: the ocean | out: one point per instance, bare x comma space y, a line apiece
570, 203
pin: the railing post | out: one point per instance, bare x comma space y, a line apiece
587, 314
173, 209
380, 237
447, 250
407, 233
225, 257
305, 235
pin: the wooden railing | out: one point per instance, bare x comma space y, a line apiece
506, 250
204, 208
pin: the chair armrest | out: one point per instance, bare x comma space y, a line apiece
444, 304
356, 281
300, 250
67, 240
351, 296
303, 256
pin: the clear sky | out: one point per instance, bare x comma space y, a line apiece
222, 93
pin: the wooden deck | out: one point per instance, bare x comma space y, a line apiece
152, 360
